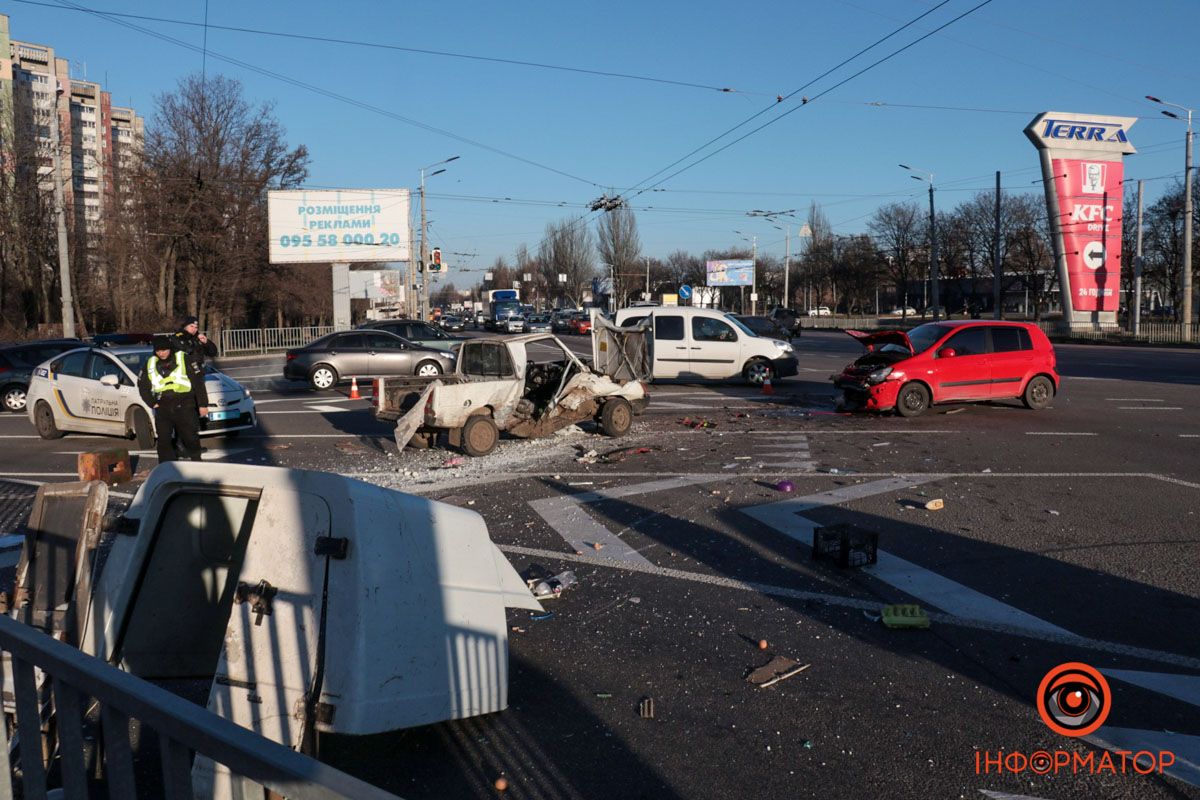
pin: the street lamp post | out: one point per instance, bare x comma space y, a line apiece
933, 252
425, 237
1186, 287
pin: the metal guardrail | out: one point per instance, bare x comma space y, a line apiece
240, 341
1122, 333
182, 728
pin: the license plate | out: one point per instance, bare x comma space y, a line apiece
217, 416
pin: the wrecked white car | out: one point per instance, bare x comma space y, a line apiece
526, 386
304, 602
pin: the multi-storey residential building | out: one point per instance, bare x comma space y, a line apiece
50, 110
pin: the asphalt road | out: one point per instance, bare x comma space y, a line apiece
1068, 535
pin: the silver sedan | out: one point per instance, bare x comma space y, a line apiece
363, 353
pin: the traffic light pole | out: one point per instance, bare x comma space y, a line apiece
423, 264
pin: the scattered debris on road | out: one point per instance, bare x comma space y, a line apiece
785, 486
646, 708
937, 504
905, 615
779, 668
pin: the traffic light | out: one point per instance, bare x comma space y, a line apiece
435, 259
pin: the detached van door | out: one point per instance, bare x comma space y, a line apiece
271, 668
620, 353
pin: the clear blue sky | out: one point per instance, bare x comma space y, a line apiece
1019, 56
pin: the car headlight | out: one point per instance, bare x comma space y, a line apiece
245, 392
879, 375
785, 347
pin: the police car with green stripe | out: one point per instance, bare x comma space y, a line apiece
94, 390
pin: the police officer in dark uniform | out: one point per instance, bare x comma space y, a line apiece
192, 343
173, 385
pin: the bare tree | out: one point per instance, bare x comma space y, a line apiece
209, 161
898, 230
1030, 254
620, 248
567, 249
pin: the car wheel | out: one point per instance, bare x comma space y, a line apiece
616, 417
43, 420
14, 399
323, 376
479, 435
428, 369
913, 400
757, 371
143, 431
1038, 393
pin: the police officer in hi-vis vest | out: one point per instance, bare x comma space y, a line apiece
173, 385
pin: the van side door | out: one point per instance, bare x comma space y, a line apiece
715, 349
671, 357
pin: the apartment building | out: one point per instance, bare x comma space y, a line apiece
44, 110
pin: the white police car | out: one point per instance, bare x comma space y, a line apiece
94, 390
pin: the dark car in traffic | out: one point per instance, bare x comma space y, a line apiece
416, 331
941, 362
452, 323
765, 327
17, 362
338, 357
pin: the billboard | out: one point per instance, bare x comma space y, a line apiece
1089, 207
1082, 170
386, 285
338, 225
736, 272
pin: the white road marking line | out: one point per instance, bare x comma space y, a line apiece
1186, 748
318, 436
1098, 645
566, 515
39, 474
874, 432
1060, 433
19, 436
1189, 436
924, 584
1007, 796
1150, 408
1133, 400
1181, 687
311, 410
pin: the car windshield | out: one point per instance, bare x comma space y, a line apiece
135, 360
737, 323
923, 337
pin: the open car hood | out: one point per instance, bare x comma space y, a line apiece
877, 339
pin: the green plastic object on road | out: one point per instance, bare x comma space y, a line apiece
905, 615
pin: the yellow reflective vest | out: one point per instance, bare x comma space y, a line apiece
176, 380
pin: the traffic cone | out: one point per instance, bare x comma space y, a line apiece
354, 395
767, 388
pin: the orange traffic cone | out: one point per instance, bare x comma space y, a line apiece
767, 388
354, 395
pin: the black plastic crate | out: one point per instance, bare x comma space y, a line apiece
845, 545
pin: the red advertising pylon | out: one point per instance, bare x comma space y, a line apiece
354, 395
767, 388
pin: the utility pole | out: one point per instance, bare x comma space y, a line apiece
754, 277
996, 276
933, 248
647, 278
60, 213
1187, 234
1186, 282
424, 306
787, 263
1137, 269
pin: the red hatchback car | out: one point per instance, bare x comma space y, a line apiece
581, 324
943, 362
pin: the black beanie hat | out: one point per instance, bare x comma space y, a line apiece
161, 343
188, 321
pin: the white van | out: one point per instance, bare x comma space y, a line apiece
706, 344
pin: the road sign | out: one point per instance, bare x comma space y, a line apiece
685, 292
